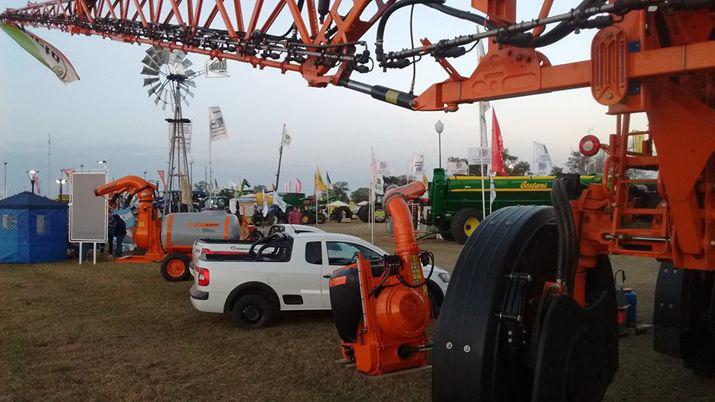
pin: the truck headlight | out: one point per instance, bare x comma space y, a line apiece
444, 276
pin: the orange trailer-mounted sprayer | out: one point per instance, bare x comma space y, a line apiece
171, 241
382, 308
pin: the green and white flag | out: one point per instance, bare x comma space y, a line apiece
42, 51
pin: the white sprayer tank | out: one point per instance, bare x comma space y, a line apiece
181, 230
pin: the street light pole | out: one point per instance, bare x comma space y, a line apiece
5, 181
61, 182
439, 127
32, 174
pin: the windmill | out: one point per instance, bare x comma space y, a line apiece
168, 76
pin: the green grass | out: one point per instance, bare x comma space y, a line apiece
119, 331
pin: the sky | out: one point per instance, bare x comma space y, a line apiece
108, 116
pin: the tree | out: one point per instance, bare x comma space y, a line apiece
395, 180
577, 163
512, 164
201, 186
360, 195
259, 187
340, 190
556, 171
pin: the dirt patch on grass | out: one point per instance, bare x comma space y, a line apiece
119, 331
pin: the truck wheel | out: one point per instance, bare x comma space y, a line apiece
252, 311
446, 235
380, 215
436, 297
464, 223
322, 218
175, 267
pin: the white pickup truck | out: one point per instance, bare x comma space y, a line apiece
282, 273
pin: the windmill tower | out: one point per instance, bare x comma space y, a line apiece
169, 78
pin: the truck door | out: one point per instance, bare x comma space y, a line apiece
312, 286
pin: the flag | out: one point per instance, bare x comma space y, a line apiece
215, 183
286, 139
418, 163
217, 127
319, 183
286, 187
298, 185
541, 163
425, 180
278, 201
163, 179
497, 147
327, 177
264, 210
68, 173
42, 51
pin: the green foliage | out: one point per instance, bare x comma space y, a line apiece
360, 195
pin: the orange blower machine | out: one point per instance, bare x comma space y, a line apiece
381, 308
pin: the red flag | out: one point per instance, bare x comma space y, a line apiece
163, 179
497, 147
298, 185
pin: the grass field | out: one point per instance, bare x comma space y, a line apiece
119, 331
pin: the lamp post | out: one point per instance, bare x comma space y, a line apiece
5, 180
439, 127
32, 174
105, 164
61, 182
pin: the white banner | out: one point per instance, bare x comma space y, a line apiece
286, 140
541, 163
457, 168
477, 156
217, 127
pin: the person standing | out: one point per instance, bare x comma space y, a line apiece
110, 233
120, 231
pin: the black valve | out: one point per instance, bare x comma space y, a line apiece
449, 52
323, 9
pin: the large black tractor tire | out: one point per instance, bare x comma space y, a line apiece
684, 317
364, 213
341, 213
464, 223
252, 311
501, 338
446, 235
175, 267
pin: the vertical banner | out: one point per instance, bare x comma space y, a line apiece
217, 126
541, 164
162, 177
187, 134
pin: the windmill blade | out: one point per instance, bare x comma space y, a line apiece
157, 100
190, 73
185, 101
190, 83
163, 107
153, 89
150, 81
149, 71
149, 62
191, 94
187, 63
163, 55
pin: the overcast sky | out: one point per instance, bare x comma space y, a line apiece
107, 115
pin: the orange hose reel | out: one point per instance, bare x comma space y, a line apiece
382, 311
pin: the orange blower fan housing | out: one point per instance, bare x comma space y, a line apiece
381, 308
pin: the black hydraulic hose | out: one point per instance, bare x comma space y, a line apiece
379, 50
424, 282
292, 27
560, 31
465, 15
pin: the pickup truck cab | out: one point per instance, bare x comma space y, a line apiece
283, 273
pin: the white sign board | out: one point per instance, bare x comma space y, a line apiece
88, 213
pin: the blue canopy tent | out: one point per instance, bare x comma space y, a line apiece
32, 229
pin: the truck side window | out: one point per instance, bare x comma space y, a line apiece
342, 253
313, 253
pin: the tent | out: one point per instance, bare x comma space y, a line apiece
32, 229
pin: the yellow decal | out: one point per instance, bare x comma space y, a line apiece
525, 185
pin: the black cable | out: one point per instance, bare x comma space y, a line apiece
464, 15
424, 282
379, 49
412, 44
292, 26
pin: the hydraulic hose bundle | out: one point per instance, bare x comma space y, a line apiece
381, 309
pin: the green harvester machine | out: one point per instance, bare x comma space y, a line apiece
456, 201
